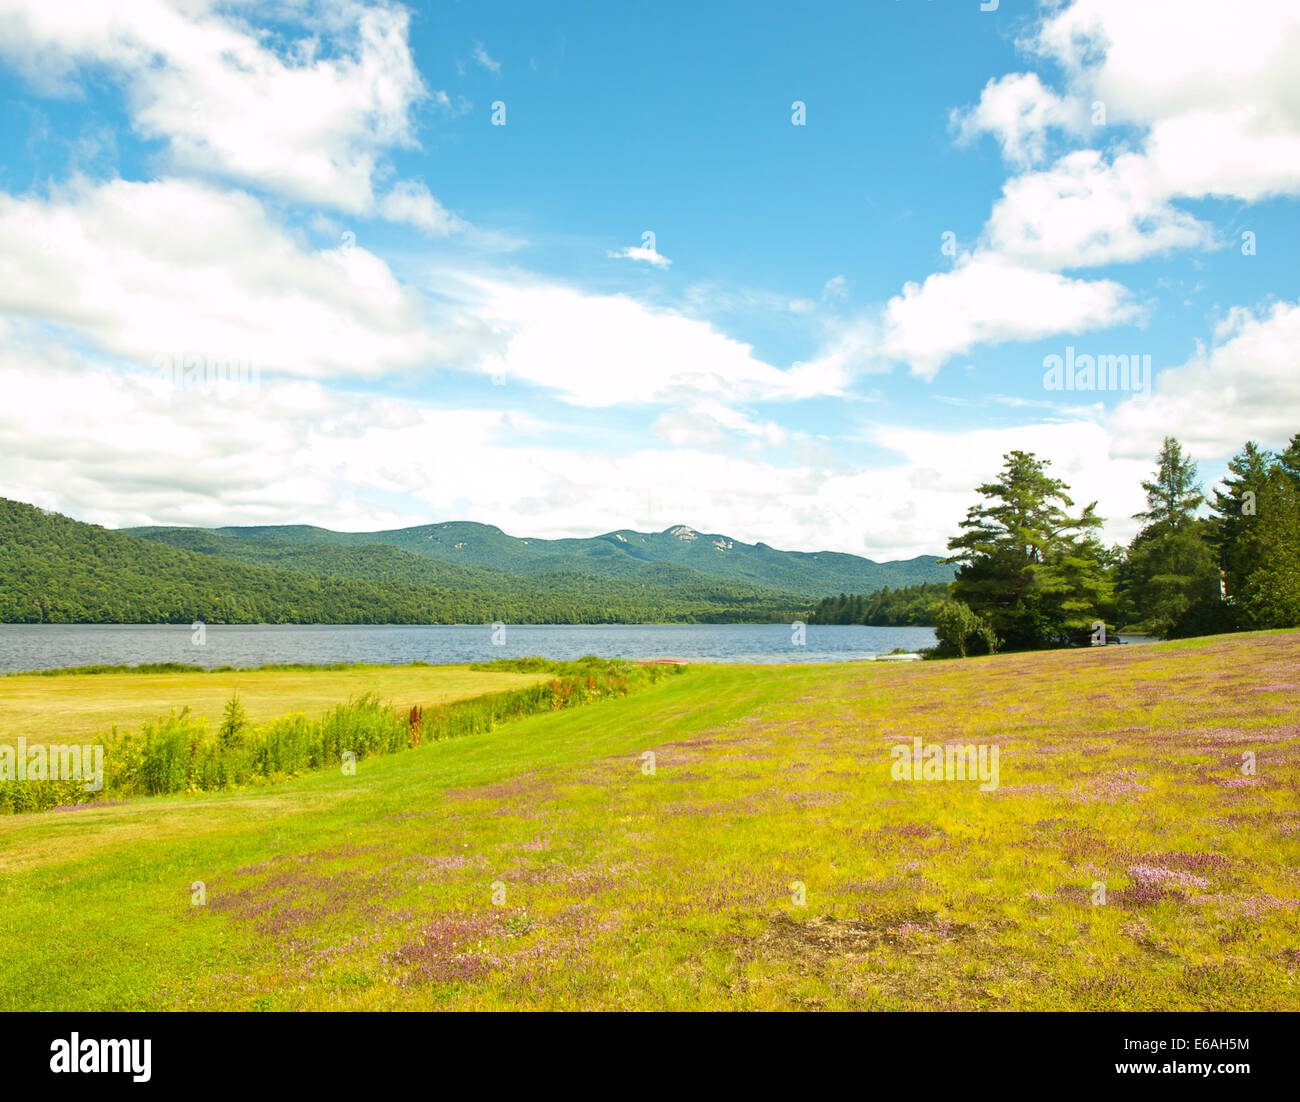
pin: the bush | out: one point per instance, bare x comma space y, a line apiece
283, 747
961, 631
23, 797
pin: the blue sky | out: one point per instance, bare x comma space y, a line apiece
274, 263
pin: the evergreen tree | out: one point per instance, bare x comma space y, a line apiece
234, 720
1174, 495
1076, 586
1175, 582
1270, 543
1290, 458
1029, 569
1172, 570
1235, 507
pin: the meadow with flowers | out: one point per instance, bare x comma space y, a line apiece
728, 837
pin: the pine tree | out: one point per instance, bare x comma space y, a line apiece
1290, 458
1076, 586
1174, 495
1269, 544
1029, 568
233, 722
1235, 507
1171, 567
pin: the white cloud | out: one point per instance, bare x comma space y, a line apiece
836, 289
1244, 387
708, 423
601, 350
179, 268
486, 60
311, 120
410, 202
1212, 83
1210, 90
646, 253
1085, 212
1164, 57
107, 265
988, 300
124, 449
1019, 111
1226, 153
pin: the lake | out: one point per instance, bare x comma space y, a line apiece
47, 646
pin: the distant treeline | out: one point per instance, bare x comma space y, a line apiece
910, 606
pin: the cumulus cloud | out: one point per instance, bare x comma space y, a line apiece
1195, 98
134, 448
105, 263
311, 120
410, 201
1086, 212
988, 300
1245, 386
602, 350
1019, 111
710, 423
1212, 85
110, 265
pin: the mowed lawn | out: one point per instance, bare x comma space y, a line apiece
78, 707
770, 861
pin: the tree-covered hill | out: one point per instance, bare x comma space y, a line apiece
54, 569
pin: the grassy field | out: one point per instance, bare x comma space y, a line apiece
542, 866
71, 707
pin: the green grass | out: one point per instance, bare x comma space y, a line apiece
81, 705
673, 890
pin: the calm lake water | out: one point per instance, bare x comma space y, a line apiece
47, 646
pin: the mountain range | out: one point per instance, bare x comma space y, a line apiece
621, 554
57, 569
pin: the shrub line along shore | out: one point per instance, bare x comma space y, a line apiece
179, 753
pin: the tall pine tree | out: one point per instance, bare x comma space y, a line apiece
1234, 508
1029, 568
1172, 574
1269, 544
